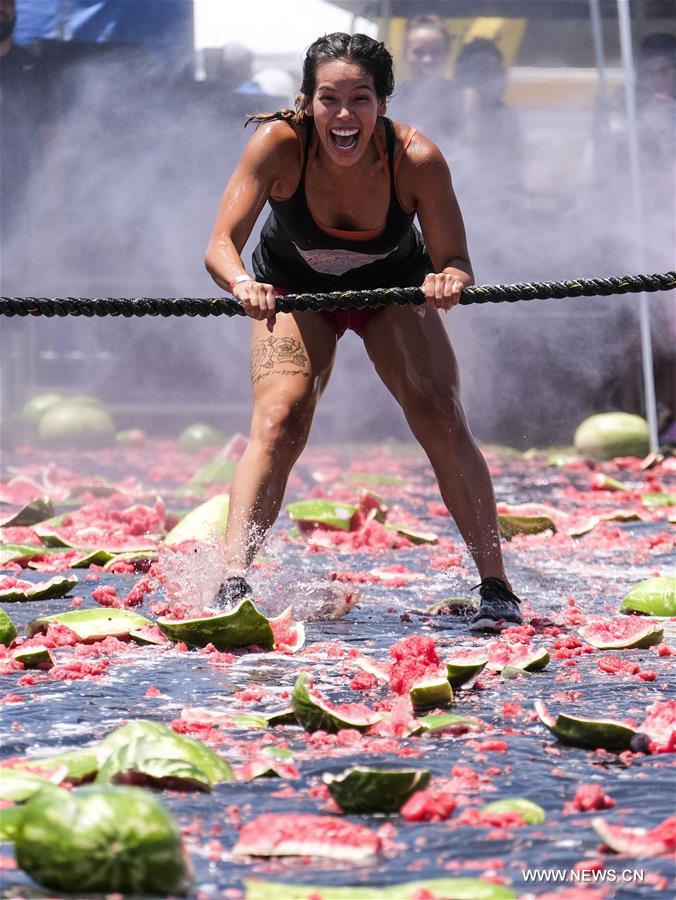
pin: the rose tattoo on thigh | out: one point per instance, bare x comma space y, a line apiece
275, 355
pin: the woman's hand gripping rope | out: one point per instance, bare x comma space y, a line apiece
257, 299
442, 291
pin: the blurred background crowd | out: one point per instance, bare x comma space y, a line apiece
122, 122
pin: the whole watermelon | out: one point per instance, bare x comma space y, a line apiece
34, 409
76, 425
611, 434
106, 839
199, 435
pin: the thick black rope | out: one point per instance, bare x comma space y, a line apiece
229, 306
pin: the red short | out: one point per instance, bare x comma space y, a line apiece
342, 320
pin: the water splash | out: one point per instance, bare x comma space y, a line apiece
190, 578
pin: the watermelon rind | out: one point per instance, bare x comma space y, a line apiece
606, 483
536, 660
264, 768
218, 470
655, 499
244, 626
374, 478
460, 606
59, 586
640, 843
592, 734
511, 525
461, 669
607, 435
207, 522
34, 657
18, 552
158, 761
324, 513
18, 786
174, 746
652, 597
314, 714
103, 839
10, 817
429, 693
286, 618
91, 624
414, 535
617, 516
7, 629
645, 635
302, 834
370, 790
30, 514
284, 716
51, 536
440, 722
48, 533
448, 888
146, 637
92, 558
77, 765
530, 812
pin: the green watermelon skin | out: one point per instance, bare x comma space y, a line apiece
653, 597
607, 435
245, 626
191, 750
102, 839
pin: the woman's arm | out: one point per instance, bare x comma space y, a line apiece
258, 173
426, 180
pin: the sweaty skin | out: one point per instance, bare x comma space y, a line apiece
292, 353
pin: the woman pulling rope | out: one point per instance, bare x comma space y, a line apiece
344, 184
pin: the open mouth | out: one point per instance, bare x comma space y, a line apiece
344, 139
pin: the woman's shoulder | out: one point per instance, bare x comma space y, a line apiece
414, 148
276, 134
275, 146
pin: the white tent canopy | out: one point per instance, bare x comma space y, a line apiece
276, 33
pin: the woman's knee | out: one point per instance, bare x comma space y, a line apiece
282, 422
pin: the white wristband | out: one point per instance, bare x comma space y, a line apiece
237, 280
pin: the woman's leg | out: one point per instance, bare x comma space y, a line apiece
414, 358
289, 369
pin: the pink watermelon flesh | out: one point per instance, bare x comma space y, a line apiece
641, 843
352, 712
277, 834
469, 654
518, 656
620, 631
287, 633
660, 726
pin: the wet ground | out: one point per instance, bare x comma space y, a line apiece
563, 581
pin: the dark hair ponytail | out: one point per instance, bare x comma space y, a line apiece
373, 56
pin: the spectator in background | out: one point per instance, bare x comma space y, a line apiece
23, 110
488, 128
426, 100
486, 151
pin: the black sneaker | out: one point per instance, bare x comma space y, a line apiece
499, 607
232, 590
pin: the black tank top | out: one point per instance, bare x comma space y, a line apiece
296, 254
